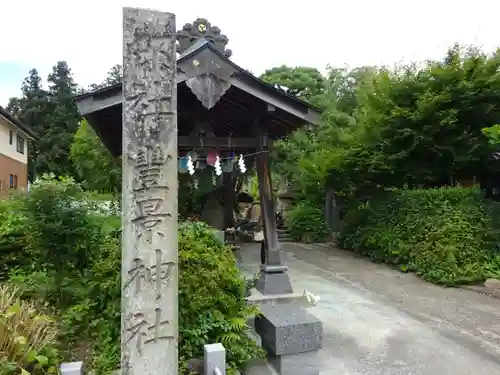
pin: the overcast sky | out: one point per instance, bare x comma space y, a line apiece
262, 33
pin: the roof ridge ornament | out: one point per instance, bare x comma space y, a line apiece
199, 29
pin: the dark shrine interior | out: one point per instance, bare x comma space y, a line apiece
233, 116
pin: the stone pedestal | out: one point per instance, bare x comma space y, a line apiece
300, 363
274, 280
295, 298
293, 338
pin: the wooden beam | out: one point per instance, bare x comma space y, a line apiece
267, 203
93, 103
307, 114
223, 143
273, 277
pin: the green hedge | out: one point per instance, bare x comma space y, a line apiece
445, 235
306, 223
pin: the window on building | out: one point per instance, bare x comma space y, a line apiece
11, 137
20, 144
13, 181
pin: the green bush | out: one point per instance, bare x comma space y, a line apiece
306, 223
12, 236
445, 235
212, 300
212, 305
64, 251
27, 337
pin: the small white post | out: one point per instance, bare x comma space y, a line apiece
215, 359
71, 368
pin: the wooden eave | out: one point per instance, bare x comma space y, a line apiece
246, 97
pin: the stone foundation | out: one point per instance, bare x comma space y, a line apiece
292, 336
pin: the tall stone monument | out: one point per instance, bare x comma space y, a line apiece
149, 197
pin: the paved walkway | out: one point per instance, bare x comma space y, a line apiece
379, 321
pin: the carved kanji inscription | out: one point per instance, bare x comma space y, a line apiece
143, 275
149, 218
149, 162
144, 331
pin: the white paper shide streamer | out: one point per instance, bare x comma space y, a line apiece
190, 165
218, 168
241, 164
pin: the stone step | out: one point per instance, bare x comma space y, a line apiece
254, 336
257, 367
260, 368
257, 298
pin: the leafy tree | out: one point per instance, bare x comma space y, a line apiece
303, 82
14, 107
306, 156
424, 127
32, 109
52, 115
409, 126
93, 163
343, 85
493, 134
113, 77
61, 123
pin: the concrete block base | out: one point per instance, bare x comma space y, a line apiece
288, 329
296, 364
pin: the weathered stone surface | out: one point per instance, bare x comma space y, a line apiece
273, 283
195, 366
296, 364
296, 298
492, 283
149, 195
288, 329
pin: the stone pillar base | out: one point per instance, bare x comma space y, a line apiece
296, 364
274, 280
292, 337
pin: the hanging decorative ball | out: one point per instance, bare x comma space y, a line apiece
182, 165
231, 159
201, 164
193, 154
227, 166
212, 158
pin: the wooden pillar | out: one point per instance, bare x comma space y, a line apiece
273, 277
228, 194
149, 331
